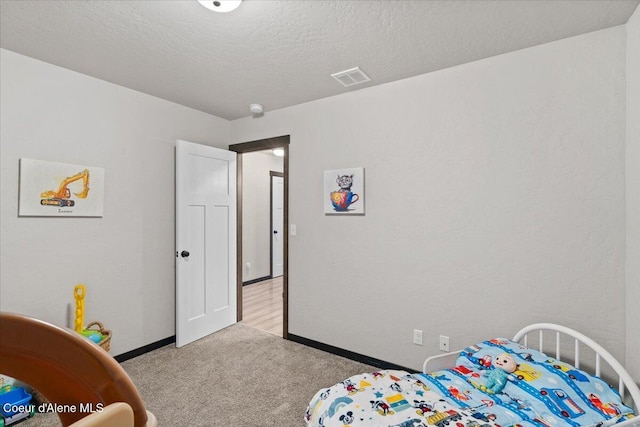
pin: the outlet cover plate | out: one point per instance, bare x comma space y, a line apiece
417, 336
444, 343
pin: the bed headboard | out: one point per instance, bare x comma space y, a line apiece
626, 384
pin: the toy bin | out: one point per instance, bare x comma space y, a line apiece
106, 334
10, 400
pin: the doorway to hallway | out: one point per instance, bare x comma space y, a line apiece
265, 292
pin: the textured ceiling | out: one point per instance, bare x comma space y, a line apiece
282, 53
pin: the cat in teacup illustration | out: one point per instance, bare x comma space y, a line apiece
344, 197
345, 182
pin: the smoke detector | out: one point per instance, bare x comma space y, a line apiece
256, 108
351, 77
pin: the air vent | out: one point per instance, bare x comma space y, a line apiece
351, 77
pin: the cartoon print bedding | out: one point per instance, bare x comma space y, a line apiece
541, 392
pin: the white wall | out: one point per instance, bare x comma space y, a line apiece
495, 198
633, 194
127, 258
256, 213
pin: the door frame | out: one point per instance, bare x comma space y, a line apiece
248, 147
273, 174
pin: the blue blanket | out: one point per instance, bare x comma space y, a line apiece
541, 392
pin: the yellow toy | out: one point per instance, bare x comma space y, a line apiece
78, 293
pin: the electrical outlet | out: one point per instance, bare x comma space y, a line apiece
417, 336
444, 343
294, 229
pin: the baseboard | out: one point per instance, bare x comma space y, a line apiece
145, 349
259, 279
380, 364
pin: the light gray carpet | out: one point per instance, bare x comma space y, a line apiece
239, 376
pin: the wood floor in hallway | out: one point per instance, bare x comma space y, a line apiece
262, 305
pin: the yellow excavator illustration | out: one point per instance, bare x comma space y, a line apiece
62, 197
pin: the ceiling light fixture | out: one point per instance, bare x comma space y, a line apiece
279, 152
220, 5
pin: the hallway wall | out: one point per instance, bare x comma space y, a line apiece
256, 211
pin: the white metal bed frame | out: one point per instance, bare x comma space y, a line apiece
626, 384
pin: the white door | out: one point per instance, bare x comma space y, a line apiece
277, 220
205, 240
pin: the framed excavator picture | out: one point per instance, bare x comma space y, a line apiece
60, 189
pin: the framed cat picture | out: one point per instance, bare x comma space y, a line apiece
344, 191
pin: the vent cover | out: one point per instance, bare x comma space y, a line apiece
351, 77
